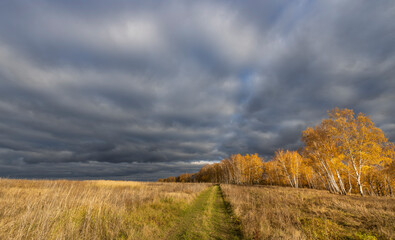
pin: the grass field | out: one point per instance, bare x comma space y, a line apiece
41, 209
288, 213
92, 209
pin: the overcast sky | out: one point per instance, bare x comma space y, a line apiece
146, 89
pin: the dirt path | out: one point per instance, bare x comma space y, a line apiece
209, 217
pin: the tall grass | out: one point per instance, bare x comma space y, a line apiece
40, 209
288, 213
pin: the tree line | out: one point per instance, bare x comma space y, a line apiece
346, 153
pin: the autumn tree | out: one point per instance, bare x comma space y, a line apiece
344, 154
324, 156
360, 141
388, 170
252, 168
186, 177
345, 142
272, 174
308, 176
289, 163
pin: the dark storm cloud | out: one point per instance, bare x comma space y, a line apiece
141, 89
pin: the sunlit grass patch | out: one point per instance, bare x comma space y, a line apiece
288, 213
41, 209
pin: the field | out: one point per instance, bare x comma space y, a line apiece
43, 209
288, 213
92, 209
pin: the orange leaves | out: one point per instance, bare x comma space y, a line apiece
236, 169
343, 153
345, 141
246, 169
252, 168
289, 163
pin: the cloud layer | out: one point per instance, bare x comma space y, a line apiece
140, 89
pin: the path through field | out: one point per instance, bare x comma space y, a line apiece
209, 217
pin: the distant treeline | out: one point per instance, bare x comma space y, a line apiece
345, 153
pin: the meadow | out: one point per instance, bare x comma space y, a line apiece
62, 209
44, 209
269, 212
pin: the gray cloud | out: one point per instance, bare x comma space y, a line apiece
141, 89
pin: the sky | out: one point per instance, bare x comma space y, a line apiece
141, 90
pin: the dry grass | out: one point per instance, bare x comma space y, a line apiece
38, 209
287, 213
134, 210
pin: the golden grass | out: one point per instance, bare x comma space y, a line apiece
286, 213
44, 209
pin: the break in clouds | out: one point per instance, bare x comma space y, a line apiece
147, 89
